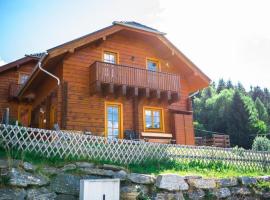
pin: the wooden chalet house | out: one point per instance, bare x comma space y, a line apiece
125, 77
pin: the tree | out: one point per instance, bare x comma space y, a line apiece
262, 112
229, 85
238, 122
240, 88
221, 85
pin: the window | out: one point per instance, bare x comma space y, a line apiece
23, 78
110, 57
153, 119
152, 65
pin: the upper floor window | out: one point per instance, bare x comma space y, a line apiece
23, 77
153, 65
110, 57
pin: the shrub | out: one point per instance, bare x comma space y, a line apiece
261, 144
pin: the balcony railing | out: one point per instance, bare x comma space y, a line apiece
134, 77
14, 89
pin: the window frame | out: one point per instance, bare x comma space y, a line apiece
155, 60
120, 117
21, 74
152, 109
116, 53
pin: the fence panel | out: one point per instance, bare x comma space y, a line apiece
71, 144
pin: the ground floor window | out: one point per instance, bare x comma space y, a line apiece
153, 119
113, 120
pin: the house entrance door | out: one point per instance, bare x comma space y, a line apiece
113, 120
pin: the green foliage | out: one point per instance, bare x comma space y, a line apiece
232, 110
261, 144
263, 186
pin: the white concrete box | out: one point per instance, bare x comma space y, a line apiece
100, 189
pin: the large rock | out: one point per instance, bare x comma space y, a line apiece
221, 193
66, 197
266, 195
28, 167
99, 172
131, 192
169, 196
263, 178
24, 179
9, 194
40, 194
112, 167
68, 167
4, 167
203, 183
227, 182
196, 194
85, 165
141, 178
240, 191
50, 170
122, 175
66, 184
244, 180
171, 182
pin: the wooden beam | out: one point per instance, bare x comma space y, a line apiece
136, 91
147, 92
64, 104
169, 96
98, 86
111, 88
124, 90
158, 94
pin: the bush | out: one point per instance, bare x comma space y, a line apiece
261, 144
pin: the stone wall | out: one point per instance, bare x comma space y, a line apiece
22, 180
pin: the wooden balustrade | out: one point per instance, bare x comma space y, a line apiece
107, 73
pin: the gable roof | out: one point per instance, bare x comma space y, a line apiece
137, 25
72, 45
17, 63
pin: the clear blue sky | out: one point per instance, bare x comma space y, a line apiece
227, 38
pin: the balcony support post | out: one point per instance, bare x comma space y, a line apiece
111, 88
147, 92
124, 90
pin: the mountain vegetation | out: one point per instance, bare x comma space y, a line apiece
231, 109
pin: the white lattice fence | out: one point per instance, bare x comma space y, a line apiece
68, 144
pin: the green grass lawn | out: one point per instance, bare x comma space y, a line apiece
211, 169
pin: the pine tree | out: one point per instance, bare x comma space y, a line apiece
221, 85
262, 112
238, 121
229, 85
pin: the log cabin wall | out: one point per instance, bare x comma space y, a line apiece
86, 112
11, 77
47, 94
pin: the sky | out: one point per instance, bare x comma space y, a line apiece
227, 39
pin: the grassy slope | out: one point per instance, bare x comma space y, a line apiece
212, 169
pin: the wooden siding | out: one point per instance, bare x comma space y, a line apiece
86, 112
8, 78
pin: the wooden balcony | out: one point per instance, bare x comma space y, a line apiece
132, 81
14, 89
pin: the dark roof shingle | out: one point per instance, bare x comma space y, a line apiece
137, 25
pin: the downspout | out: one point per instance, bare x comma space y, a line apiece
50, 74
